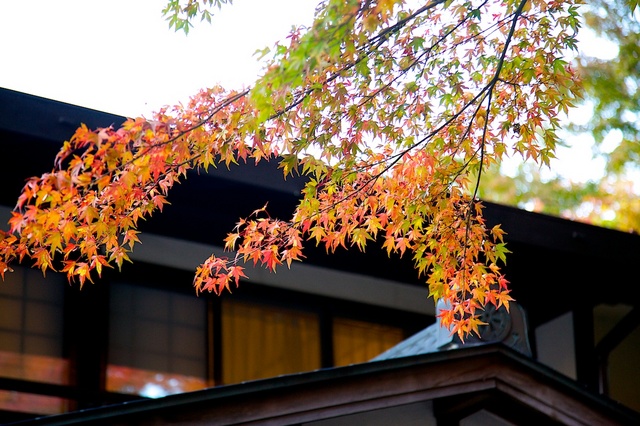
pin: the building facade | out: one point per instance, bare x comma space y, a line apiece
143, 333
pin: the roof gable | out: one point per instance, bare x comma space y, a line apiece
459, 382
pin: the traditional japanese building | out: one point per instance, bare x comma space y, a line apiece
336, 336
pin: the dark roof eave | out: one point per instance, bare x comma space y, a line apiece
47, 119
563, 235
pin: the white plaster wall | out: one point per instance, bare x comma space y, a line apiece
555, 345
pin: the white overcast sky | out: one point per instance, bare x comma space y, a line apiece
119, 56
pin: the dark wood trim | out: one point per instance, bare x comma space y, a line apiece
326, 340
610, 341
214, 330
584, 346
71, 393
86, 329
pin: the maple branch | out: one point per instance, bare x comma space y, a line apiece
490, 87
393, 163
225, 103
371, 46
427, 52
385, 33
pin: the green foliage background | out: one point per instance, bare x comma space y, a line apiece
612, 96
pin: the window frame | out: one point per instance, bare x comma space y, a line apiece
86, 328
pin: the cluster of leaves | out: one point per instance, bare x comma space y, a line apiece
179, 14
386, 108
84, 214
612, 98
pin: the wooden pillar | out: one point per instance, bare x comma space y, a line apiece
583, 334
